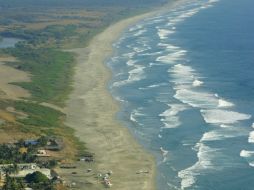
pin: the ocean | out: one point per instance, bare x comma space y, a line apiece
185, 83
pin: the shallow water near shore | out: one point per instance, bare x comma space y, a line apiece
8, 42
185, 82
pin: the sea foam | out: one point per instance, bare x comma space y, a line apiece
163, 33
206, 155
251, 137
171, 57
224, 103
197, 82
246, 153
196, 99
170, 118
223, 133
135, 74
217, 116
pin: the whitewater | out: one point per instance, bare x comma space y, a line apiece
185, 80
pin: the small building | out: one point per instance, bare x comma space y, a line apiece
54, 144
42, 153
25, 166
87, 159
24, 169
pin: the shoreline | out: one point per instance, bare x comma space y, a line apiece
91, 112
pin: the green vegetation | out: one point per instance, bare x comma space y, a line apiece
38, 115
13, 183
11, 155
36, 177
51, 72
39, 181
35, 180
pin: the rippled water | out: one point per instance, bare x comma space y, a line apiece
185, 80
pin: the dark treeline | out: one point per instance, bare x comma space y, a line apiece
73, 3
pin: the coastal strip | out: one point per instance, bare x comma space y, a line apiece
91, 111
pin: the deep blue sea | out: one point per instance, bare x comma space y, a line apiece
185, 82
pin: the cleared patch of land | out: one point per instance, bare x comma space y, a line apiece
10, 75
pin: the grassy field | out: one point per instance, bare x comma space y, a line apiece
51, 72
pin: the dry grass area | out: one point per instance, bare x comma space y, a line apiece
7, 59
10, 131
6, 116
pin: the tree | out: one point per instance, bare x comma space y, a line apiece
36, 177
13, 184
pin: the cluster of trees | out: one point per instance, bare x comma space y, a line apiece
12, 154
36, 180
39, 37
13, 183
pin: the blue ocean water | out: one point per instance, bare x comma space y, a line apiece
185, 81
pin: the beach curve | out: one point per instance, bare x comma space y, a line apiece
91, 111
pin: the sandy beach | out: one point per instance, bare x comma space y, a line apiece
91, 112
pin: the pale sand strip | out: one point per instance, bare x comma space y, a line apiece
91, 112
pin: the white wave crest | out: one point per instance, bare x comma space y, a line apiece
216, 116
174, 110
196, 99
140, 32
225, 126
172, 57
170, 118
140, 50
131, 62
251, 164
213, 136
205, 155
251, 137
134, 75
222, 133
246, 153
182, 74
134, 114
137, 27
153, 86
163, 33
197, 82
224, 103
129, 55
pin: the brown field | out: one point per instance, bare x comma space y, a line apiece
9, 75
